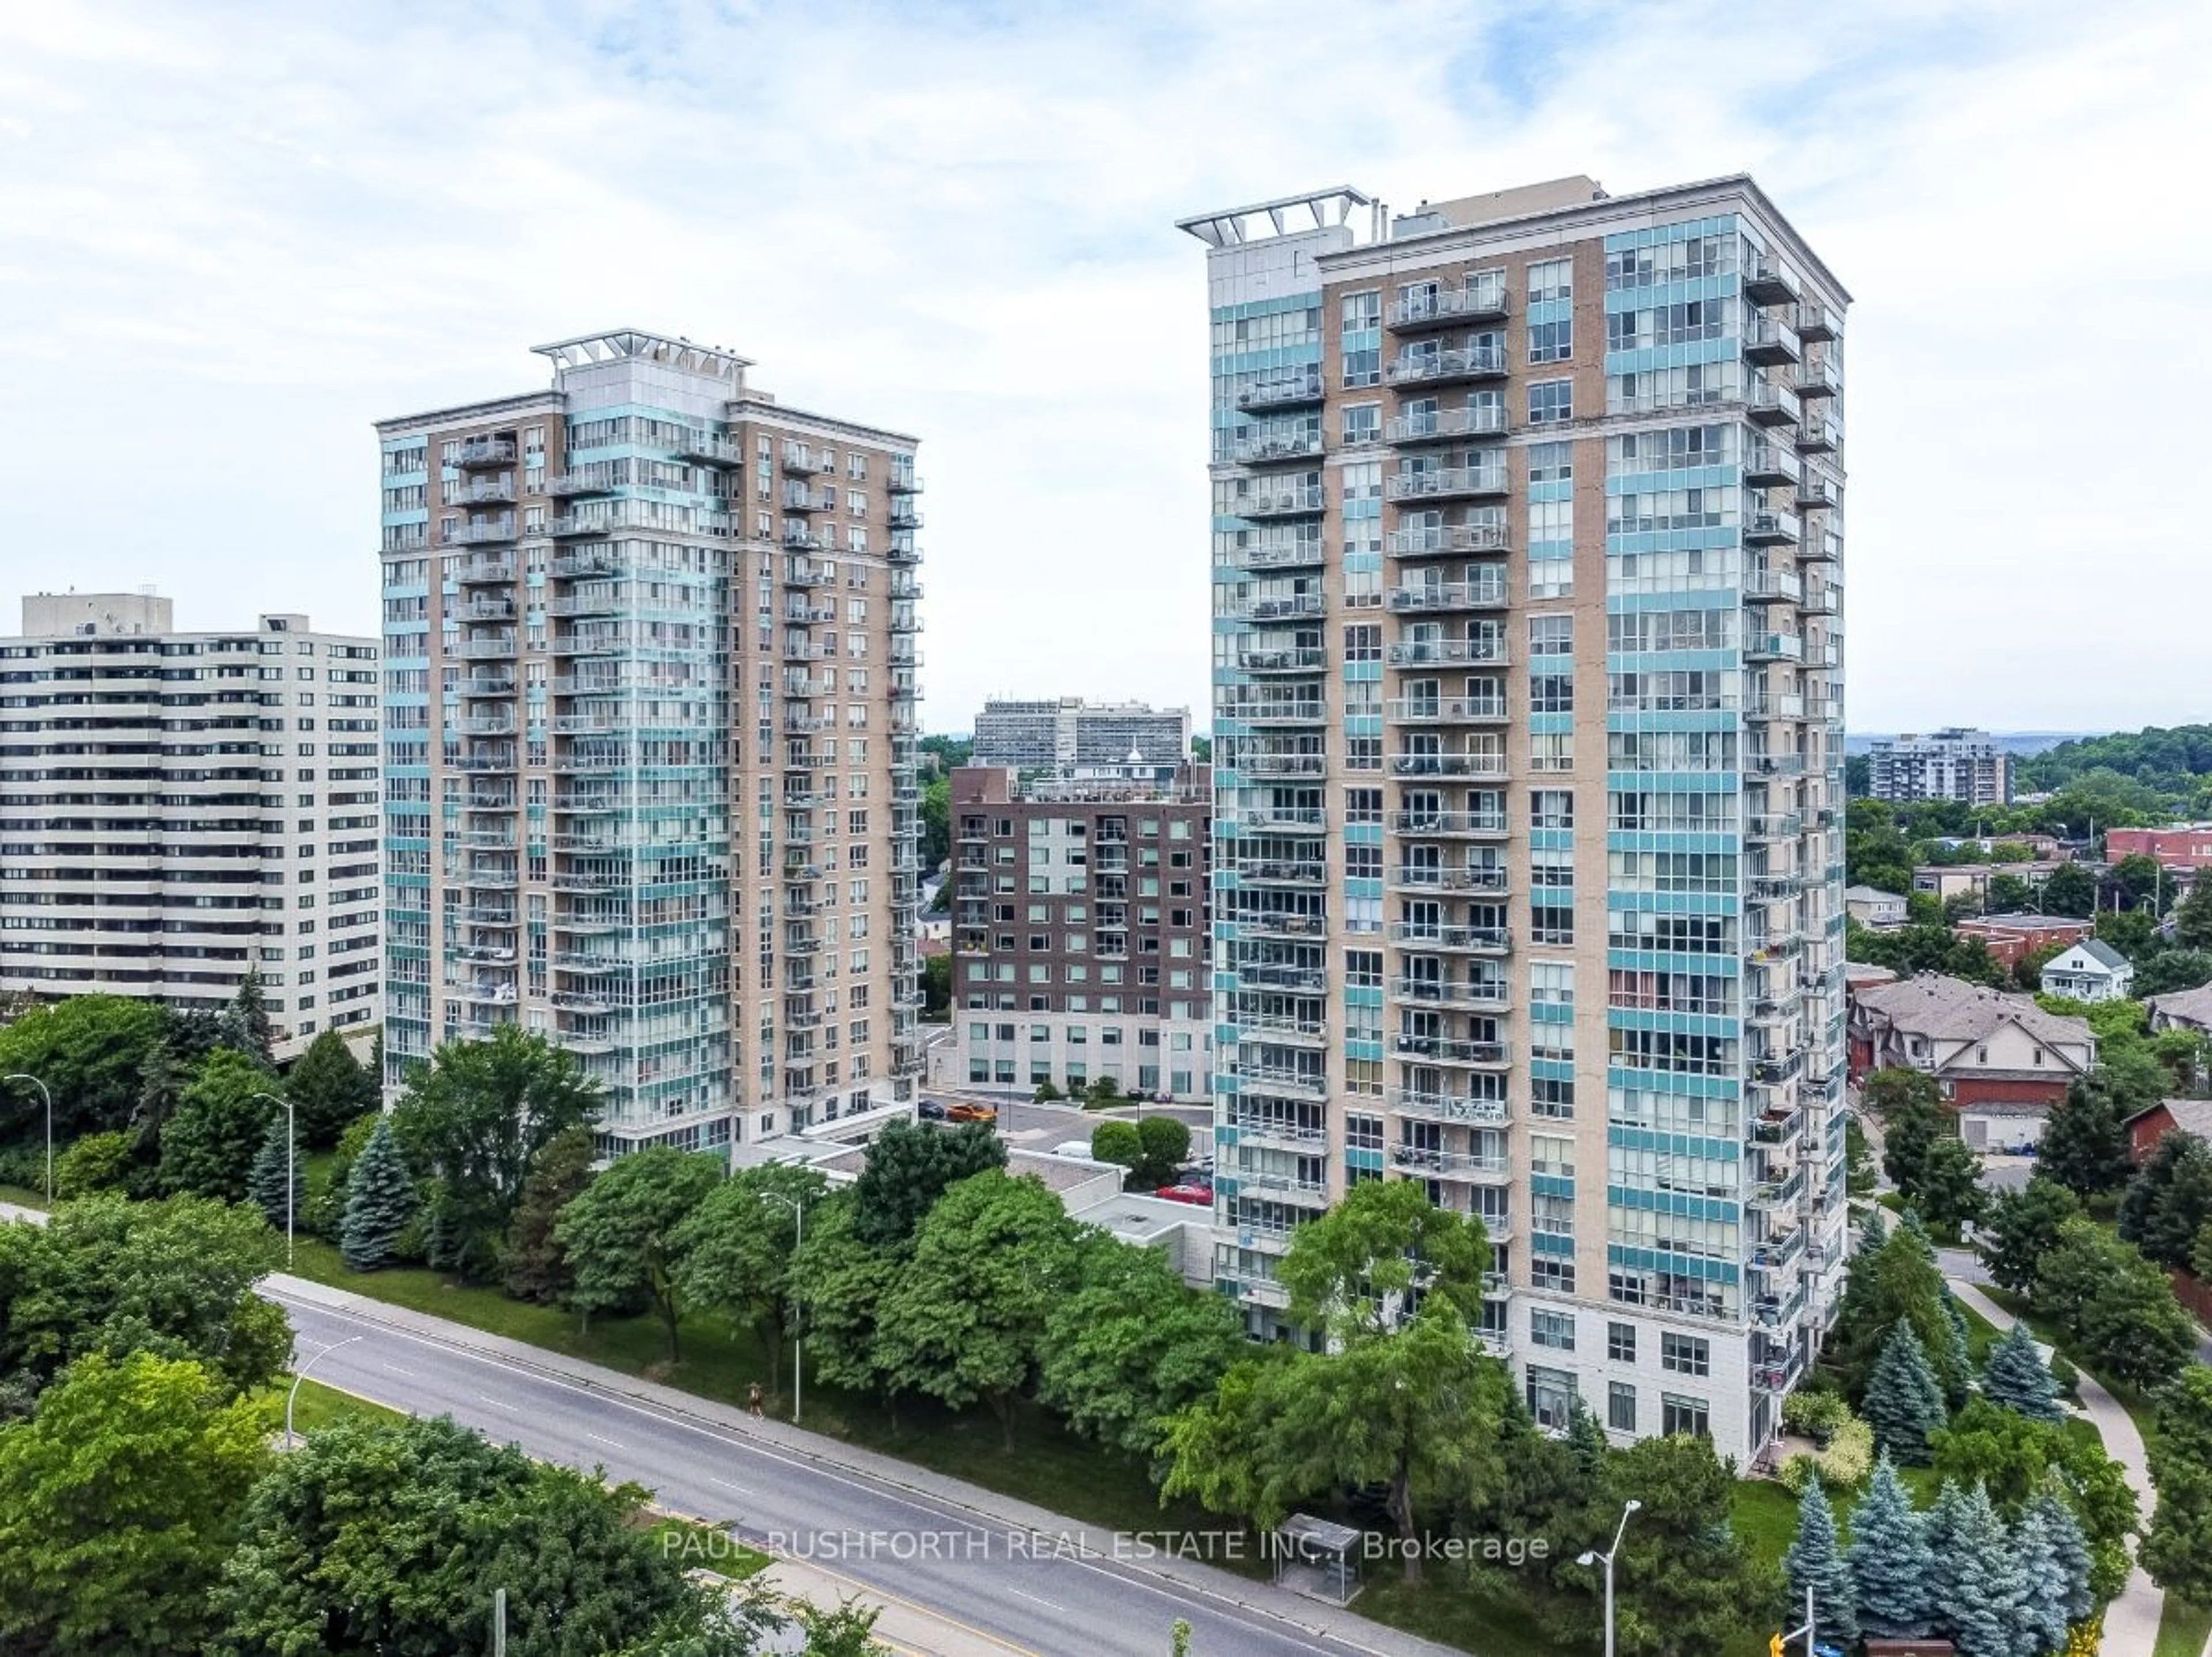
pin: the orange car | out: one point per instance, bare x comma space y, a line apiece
964, 1112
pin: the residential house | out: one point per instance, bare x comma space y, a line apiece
2000, 1060
2147, 1128
2091, 971
2182, 1010
1872, 907
2012, 938
1945, 881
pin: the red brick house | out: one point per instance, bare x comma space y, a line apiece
2011, 938
2000, 1060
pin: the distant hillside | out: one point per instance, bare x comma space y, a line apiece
2171, 761
2019, 743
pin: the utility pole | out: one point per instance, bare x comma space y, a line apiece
1808, 1633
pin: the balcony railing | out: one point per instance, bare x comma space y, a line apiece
1306, 498
1773, 529
1766, 280
1447, 1106
1278, 765
1446, 425
1275, 447
1429, 935
1304, 606
1482, 994
1439, 367
1425, 877
1488, 766
1444, 483
1283, 390
482, 532
1770, 404
1446, 539
1769, 340
1280, 871
1446, 1050
1476, 825
1432, 596
1766, 466
1446, 710
1451, 1164
486, 451
1447, 653
481, 492
1479, 300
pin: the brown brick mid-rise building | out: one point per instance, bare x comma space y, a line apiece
1080, 933
649, 742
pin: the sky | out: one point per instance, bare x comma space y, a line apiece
234, 235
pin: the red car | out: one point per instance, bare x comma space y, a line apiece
1198, 1196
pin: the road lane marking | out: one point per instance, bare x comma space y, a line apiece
604, 1439
397, 1370
1174, 1591
1035, 1599
741, 1488
498, 1403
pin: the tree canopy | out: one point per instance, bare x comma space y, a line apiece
908, 1166
620, 1232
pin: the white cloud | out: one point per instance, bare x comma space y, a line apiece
237, 234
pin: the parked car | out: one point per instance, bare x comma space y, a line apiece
963, 1111
930, 1110
1072, 1148
1198, 1196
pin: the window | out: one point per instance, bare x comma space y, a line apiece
1553, 1329
1551, 341
1555, 1275
1363, 424
1684, 1415
1550, 279
1551, 462
1363, 644
1551, 636
1550, 693
1686, 1355
1551, 401
1363, 311
1550, 808
1620, 1404
1620, 1343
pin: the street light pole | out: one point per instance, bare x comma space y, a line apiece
798, 1373
20, 1076
300, 1374
1606, 1559
291, 1182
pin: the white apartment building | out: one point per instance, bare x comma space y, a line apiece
179, 808
1071, 736
1953, 763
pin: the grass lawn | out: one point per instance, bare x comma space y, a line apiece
318, 1405
22, 1198
1495, 1626
1049, 1466
2183, 1629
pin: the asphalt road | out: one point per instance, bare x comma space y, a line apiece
1011, 1586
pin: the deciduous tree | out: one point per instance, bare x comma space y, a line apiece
2118, 1308
2084, 1145
473, 1121
1133, 1344
328, 1089
208, 1145
738, 1248
2169, 1200
2022, 1227
89, 1051
909, 1166
620, 1233
1948, 1189
119, 1501
1358, 1269
1166, 1143
964, 1318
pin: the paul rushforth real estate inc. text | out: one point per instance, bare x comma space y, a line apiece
1135, 1547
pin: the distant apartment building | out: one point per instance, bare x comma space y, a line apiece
1071, 736
1526, 537
1080, 933
2184, 846
1953, 763
650, 742
177, 809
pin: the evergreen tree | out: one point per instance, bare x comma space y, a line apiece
537, 1266
380, 1202
245, 1023
1815, 1564
2016, 1376
275, 1173
1873, 1230
328, 1089
1903, 1400
2069, 1584
1978, 1587
2039, 1616
2085, 1142
1955, 1374
2192, 917
1892, 1574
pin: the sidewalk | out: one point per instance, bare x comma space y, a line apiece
2132, 1620
1311, 1616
